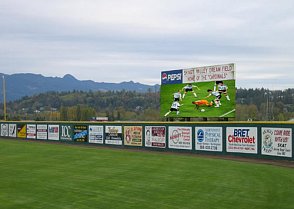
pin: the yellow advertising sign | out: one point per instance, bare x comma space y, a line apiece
133, 135
21, 131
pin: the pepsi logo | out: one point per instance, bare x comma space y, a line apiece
164, 76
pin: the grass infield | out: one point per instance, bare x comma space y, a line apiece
44, 175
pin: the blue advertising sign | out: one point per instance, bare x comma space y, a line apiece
171, 77
200, 135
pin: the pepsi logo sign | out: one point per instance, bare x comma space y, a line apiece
164, 76
171, 77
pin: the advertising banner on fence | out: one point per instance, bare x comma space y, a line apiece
155, 136
12, 130
53, 132
180, 137
113, 135
31, 131
242, 139
42, 131
209, 138
276, 142
66, 132
21, 130
80, 133
133, 135
96, 134
4, 129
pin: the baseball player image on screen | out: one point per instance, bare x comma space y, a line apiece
175, 107
222, 88
177, 96
217, 96
202, 103
189, 88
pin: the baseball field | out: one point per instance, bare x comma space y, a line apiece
226, 109
35, 175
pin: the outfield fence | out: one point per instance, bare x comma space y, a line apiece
266, 140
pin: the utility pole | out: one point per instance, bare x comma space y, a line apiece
4, 99
268, 94
267, 107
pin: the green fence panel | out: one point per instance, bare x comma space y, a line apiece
263, 140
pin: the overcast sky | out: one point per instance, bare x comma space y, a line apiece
123, 40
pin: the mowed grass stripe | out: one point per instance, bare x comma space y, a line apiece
44, 175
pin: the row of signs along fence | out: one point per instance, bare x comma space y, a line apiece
260, 140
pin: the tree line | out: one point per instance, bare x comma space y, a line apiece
251, 104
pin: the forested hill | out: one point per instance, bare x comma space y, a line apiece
28, 84
262, 104
252, 104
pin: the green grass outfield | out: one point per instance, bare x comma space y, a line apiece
53, 176
188, 109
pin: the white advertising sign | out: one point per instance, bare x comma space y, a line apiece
12, 130
215, 73
189, 75
53, 132
209, 138
113, 135
155, 136
31, 131
96, 134
42, 131
276, 142
4, 129
180, 137
241, 139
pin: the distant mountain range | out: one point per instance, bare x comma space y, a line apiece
28, 84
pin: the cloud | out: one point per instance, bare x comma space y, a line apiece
135, 40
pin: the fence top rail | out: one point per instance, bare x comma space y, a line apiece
156, 122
